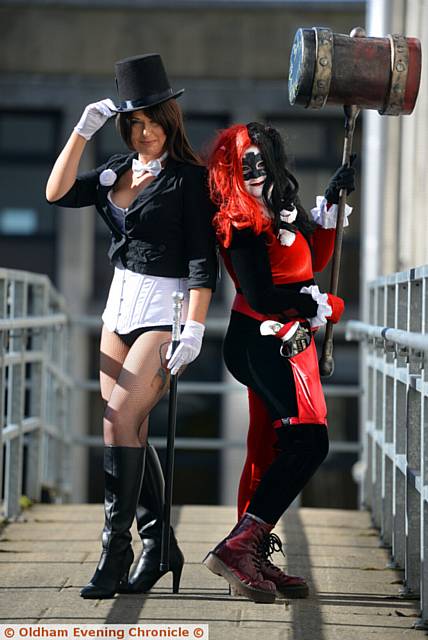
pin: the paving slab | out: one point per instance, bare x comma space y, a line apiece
44, 557
354, 595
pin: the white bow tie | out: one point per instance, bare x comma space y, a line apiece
153, 167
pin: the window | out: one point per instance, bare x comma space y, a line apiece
28, 148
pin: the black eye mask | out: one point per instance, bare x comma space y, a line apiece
253, 166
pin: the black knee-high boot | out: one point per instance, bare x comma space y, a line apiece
123, 470
149, 523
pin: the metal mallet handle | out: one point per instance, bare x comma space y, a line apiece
326, 362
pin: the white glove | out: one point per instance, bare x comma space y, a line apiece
94, 117
189, 347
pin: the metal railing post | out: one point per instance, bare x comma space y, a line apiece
395, 428
424, 461
34, 387
15, 409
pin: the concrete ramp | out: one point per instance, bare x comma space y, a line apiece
48, 556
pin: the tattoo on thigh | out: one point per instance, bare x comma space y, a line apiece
162, 354
162, 372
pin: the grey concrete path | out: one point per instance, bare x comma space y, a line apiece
45, 559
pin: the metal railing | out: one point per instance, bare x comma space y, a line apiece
35, 390
394, 421
215, 327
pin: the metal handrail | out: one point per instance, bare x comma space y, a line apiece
34, 322
394, 421
212, 444
211, 388
35, 330
357, 330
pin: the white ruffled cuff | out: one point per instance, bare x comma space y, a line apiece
324, 309
327, 218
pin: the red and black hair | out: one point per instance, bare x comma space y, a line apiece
236, 207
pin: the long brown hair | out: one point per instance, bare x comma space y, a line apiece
168, 114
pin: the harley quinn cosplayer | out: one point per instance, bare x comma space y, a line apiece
271, 249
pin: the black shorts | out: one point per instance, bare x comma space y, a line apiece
255, 361
131, 337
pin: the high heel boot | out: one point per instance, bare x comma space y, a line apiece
123, 470
149, 523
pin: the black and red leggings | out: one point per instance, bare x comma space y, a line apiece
255, 361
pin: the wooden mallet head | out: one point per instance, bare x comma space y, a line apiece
372, 73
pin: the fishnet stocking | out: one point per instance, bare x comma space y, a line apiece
132, 382
112, 356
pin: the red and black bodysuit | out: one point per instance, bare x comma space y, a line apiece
257, 198
268, 277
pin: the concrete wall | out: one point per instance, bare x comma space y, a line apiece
196, 43
395, 234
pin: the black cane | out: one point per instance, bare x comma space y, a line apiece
177, 297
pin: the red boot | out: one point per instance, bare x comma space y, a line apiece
237, 559
289, 586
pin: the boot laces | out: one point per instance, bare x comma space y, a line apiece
269, 544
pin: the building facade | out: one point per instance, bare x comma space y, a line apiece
395, 150
232, 58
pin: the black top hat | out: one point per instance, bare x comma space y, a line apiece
142, 82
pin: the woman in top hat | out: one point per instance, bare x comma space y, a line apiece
271, 249
156, 204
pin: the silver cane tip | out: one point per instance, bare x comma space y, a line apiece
178, 296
